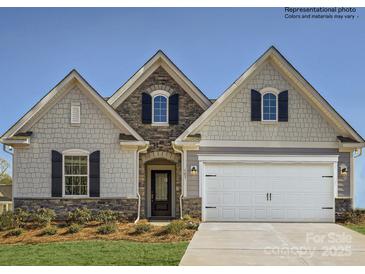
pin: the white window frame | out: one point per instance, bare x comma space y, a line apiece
75, 152
155, 94
274, 92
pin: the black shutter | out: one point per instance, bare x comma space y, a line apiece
56, 174
174, 109
283, 106
94, 176
146, 108
255, 105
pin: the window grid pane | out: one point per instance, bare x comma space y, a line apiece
269, 107
76, 175
160, 109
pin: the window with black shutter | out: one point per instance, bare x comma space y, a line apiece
283, 110
146, 108
255, 105
174, 109
56, 174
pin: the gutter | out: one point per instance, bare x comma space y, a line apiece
138, 151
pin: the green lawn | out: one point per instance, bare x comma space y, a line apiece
358, 228
93, 253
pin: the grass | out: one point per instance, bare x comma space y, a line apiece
93, 252
359, 228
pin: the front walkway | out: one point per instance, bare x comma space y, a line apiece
275, 244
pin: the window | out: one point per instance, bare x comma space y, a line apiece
269, 107
160, 109
76, 174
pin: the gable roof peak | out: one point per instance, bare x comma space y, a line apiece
159, 59
55, 94
279, 60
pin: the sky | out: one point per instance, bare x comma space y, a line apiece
38, 47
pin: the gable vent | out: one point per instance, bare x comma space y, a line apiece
75, 113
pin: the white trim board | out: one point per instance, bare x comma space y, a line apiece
252, 158
277, 144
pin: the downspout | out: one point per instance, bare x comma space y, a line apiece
143, 149
182, 176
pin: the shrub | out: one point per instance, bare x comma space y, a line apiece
175, 227
192, 225
49, 231
142, 227
14, 232
187, 218
106, 216
74, 228
354, 216
16, 219
79, 216
7, 220
21, 217
43, 217
107, 229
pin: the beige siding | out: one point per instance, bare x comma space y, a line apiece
233, 121
53, 131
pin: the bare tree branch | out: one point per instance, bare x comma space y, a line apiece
4, 165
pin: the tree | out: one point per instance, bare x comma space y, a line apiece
4, 165
6, 179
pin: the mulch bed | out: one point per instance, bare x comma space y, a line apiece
125, 232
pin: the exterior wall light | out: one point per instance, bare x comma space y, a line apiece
343, 170
193, 170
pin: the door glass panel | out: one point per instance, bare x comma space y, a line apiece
161, 187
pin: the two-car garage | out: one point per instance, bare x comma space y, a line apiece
268, 188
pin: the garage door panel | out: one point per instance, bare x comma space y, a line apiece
244, 213
228, 198
245, 198
298, 192
229, 213
213, 198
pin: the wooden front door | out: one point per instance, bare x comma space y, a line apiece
161, 193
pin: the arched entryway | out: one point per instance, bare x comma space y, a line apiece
161, 185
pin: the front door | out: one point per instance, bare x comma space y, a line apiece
161, 193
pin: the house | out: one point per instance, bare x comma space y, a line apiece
271, 148
6, 197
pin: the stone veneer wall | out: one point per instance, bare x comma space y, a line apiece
192, 207
126, 208
342, 205
160, 137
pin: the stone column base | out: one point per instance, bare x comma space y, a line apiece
192, 207
342, 205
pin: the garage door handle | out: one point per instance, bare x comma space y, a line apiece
327, 207
267, 196
210, 175
270, 196
210, 207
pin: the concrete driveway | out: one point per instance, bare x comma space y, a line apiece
275, 244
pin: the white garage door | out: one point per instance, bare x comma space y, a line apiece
269, 192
